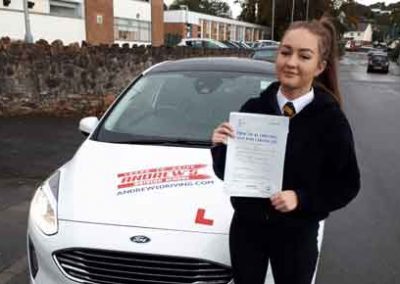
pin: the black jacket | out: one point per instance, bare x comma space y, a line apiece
320, 161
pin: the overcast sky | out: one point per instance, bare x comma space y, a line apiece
236, 8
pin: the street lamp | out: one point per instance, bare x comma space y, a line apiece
28, 34
307, 9
273, 20
293, 6
185, 7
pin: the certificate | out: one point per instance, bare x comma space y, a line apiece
255, 157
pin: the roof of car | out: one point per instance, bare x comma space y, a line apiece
229, 64
198, 38
269, 47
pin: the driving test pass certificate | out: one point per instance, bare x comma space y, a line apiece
255, 157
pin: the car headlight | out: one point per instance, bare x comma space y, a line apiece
44, 205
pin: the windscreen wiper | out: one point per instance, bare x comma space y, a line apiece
185, 142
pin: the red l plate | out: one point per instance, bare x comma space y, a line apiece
200, 219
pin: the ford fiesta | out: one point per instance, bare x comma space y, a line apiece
139, 202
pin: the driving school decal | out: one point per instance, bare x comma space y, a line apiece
162, 178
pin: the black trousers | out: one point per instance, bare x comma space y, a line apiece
255, 239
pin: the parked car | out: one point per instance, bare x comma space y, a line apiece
231, 44
139, 201
372, 51
378, 61
266, 53
350, 46
249, 43
202, 43
265, 43
242, 44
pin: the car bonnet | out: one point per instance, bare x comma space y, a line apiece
144, 185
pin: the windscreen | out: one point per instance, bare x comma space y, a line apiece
179, 105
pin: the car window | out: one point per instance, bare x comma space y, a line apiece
210, 44
185, 105
379, 57
266, 54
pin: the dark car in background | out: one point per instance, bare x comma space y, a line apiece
378, 61
268, 53
202, 43
231, 44
242, 44
235, 44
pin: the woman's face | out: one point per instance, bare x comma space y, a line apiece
298, 60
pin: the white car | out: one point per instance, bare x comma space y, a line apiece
139, 201
265, 43
202, 43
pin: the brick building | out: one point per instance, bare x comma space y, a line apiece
96, 21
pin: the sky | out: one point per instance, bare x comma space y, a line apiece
236, 7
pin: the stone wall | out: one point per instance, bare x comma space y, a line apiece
54, 79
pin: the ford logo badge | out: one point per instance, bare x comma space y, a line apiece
140, 239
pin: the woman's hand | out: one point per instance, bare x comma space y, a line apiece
221, 133
285, 201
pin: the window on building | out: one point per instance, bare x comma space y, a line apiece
214, 29
221, 35
262, 35
206, 30
66, 8
256, 34
132, 30
248, 35
239, 33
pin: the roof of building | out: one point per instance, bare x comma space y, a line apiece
228, 64
361, 27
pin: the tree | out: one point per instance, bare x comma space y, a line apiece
260, 11
212, 7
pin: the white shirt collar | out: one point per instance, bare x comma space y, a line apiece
298, 103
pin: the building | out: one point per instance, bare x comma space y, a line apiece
186, 23
95, 21
49, 20
363, 34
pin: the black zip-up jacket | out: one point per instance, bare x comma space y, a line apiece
320, 161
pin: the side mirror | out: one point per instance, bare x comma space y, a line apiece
88, 124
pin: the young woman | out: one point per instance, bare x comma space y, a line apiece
320, 172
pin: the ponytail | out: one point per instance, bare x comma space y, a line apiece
328, 49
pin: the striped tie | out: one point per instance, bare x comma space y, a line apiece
289, 110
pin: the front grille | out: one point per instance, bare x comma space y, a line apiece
101, 266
